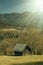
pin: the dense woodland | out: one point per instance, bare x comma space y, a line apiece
30, 36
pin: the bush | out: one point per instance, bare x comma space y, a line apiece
1, 36
8, 35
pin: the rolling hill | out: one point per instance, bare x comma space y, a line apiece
25, 19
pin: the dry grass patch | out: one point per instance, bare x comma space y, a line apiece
12, 60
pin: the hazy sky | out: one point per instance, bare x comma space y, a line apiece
7, 6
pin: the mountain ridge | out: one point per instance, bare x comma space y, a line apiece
25, 19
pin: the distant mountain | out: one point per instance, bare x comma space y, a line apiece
25, 19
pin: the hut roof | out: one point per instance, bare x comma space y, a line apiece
19, 47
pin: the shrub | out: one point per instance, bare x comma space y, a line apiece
1, 36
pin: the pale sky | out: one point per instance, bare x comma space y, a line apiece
10, 6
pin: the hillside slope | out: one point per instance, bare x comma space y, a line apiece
22, 19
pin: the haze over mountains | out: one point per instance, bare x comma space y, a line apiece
25, 19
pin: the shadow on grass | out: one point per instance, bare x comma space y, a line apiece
32, 63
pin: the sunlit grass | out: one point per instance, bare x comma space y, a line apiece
21, 60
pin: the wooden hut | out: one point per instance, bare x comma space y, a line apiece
21, 49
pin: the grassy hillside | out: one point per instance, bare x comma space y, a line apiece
10, 37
